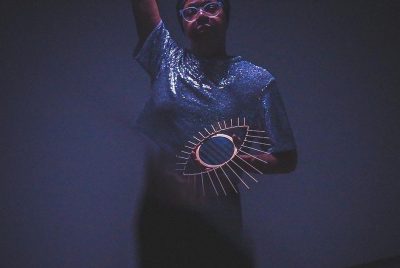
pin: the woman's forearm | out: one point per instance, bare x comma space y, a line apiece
284, 162
147, 16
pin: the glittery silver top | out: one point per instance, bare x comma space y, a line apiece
189, 93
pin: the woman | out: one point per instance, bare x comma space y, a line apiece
185, 223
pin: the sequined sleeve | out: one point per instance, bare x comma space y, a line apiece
156, 50
276, 120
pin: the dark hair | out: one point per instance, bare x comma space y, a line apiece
181, 3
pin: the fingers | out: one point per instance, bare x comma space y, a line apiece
237, 141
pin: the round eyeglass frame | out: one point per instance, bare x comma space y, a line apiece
201, 9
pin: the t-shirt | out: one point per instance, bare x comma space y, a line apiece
190, 94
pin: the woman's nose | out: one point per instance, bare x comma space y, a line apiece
201, 15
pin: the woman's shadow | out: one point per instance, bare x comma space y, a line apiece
177, 236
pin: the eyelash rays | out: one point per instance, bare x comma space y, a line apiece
214, 158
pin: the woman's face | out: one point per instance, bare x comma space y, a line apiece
203, 25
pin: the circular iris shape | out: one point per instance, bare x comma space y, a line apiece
216, 151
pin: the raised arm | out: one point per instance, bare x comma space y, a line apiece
147, 17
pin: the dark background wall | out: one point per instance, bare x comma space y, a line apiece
71, 161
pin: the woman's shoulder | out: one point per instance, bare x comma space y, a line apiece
249, 71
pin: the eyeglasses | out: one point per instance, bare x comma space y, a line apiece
210, 9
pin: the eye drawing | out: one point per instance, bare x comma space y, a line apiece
216, 156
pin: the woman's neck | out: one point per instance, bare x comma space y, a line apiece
206, 49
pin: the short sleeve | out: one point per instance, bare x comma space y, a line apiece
276, 120
156, 50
